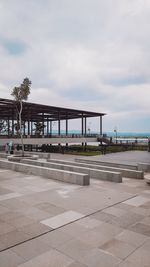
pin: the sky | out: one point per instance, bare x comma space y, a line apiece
85, 54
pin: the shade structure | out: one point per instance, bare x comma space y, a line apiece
39, 113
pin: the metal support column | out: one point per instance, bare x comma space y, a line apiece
82, 122
8, 126
50, 128
47, 127
59, 123
101, 129
66, 127
85, 125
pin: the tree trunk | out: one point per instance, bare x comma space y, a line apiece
20, 124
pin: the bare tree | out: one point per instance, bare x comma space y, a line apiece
21, 93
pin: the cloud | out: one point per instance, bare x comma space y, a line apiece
82, 54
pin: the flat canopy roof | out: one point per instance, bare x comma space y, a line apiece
38, 112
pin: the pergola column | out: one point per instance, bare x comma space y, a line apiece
50, 127
66, 125
43, 124
82, 124
59, 123
47, 126
85, 125
101, 129
8, 126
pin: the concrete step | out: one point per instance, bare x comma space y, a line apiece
93, 173
125, 172
61, 175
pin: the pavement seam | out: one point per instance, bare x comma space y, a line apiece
32, 238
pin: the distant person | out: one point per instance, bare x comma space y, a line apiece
148, 144
11, 147
7, 148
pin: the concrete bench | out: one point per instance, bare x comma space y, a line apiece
109, 164
144, 167
93, 173
125, 172
61, 175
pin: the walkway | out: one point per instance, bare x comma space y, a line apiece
45, 223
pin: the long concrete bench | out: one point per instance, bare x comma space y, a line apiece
144, 167
61, 175
93, 173
125, 172
109, 164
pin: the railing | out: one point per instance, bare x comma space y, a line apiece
51, 136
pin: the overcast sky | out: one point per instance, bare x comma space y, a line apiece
87, 54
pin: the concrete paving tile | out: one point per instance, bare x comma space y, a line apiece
21, 221
77, 264
74, 229
5, 228
136, 201
146, 192
89, 223
51, 258
146, 205
31, 249
35, 229
131, 237
4, 191
102, 216
50, 208
8, 216
10, 196
3, 210
146, 220
9, 258
13, 238
40, 215
142, 211
126, 263
140, 258
146, 245
124, 206
140, 228
100, 235
115, 211
76, 249
56, 238
62, 219
126, 220
99, 258
118, 248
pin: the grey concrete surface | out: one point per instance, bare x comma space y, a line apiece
129, 173
105, 175
60, 175
47, 223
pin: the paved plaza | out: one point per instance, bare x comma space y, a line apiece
45, 223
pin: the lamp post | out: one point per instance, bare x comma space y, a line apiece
115, 131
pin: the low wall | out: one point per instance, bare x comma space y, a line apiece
41, 155
109, 164
64, 176
93, 173
144, 167
125, 172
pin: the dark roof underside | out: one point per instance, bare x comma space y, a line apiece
38, 112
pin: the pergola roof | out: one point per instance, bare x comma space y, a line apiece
38, 112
